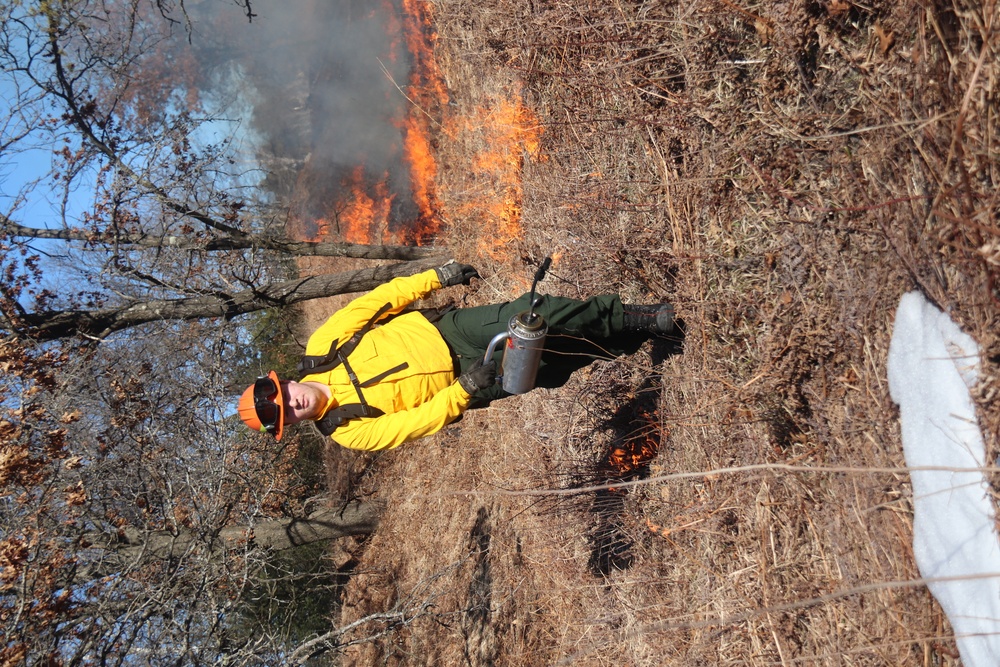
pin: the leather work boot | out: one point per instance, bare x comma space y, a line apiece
656, 318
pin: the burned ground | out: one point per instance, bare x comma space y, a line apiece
782, 174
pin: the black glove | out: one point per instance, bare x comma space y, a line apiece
479, 376
454, 273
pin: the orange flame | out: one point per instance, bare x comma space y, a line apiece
426, 79
362, 215
423, 174
632, 455
511, 133
638, 450
426, 92
365, 215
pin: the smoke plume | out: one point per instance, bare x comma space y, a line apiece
326, 82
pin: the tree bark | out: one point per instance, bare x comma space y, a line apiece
326, 524
223, 243
134, 546
100, 323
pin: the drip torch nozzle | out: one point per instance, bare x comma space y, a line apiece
539, 275
542, 270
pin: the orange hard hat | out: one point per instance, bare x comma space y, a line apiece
262, 406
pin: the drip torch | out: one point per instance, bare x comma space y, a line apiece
525, 337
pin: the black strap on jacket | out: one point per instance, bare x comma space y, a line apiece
339, 415
312, 364
316, 364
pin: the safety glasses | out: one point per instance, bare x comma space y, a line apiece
268, 412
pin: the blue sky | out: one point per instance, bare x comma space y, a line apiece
29, 160
28, 195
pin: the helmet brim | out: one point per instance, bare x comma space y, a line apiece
248, 409
280, 400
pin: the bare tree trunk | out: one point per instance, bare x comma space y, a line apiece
223, 243
326, 524
134, 546
99, 323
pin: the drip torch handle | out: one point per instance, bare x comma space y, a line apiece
493, 345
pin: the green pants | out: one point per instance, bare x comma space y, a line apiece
579, 333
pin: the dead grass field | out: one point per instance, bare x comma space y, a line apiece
783, 172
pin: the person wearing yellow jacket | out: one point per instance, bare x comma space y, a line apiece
377, 375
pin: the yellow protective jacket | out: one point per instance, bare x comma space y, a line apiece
417, 401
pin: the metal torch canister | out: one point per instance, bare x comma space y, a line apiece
523, 352
525, 341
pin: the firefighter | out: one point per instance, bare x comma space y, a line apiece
377, 374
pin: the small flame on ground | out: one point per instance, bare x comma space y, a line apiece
631, 455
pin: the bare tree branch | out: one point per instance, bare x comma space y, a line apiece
79, 117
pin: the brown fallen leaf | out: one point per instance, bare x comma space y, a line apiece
885, 38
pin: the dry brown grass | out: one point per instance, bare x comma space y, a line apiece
783, 173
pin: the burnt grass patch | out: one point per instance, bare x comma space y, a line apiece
630, 434
633, 433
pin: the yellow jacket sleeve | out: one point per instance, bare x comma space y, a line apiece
398, 293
